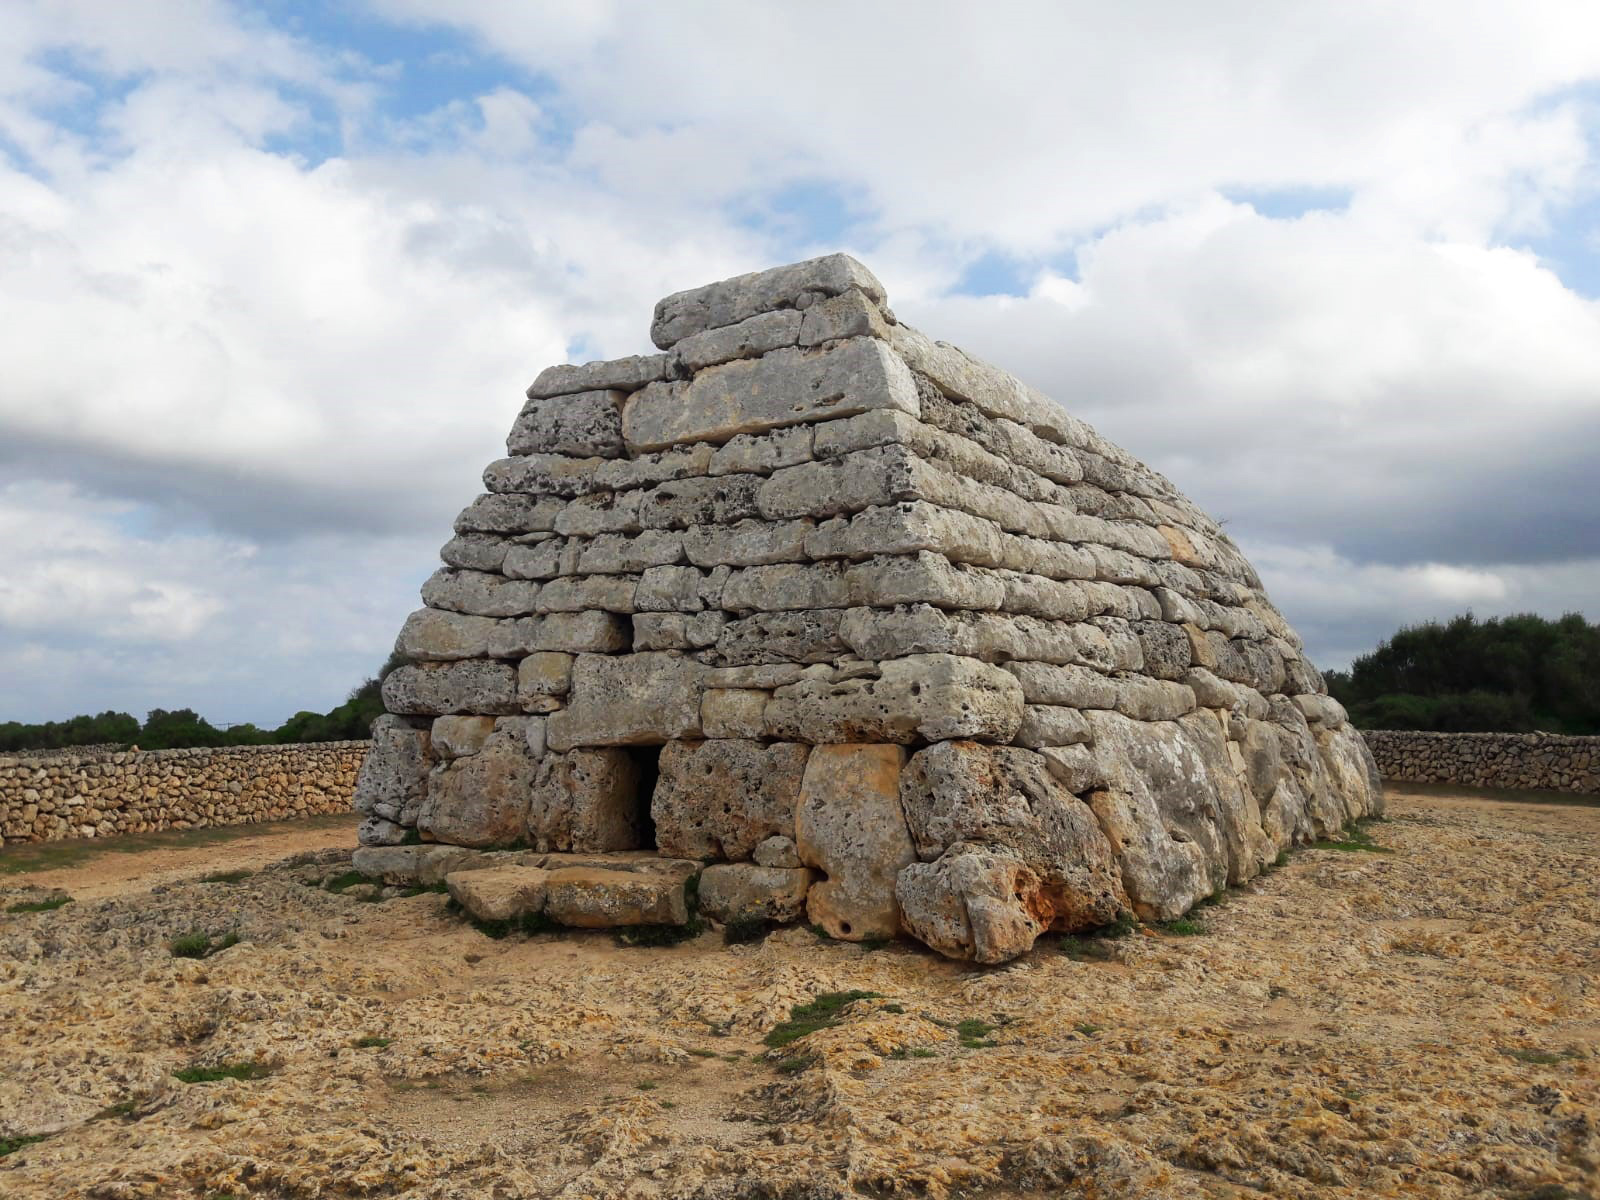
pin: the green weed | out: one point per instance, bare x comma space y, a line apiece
659, 935
1087, 1028
1540, 1058
372, 1042
1182, 927
746, 929
37, 906
1355, 840
240, 1070
974, 1033
793, 1066
820, 1012
12, 1144
200, 945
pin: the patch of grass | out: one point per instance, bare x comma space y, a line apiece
227, 876
894, 1008
339, 883
667, 1103
12, 1144
647, 1085
1088, 1028
1182, 927
122, 1108
905, 1052
423, 890
876, 943
1540, 1058
702, 1052
746, 929
528, 923
372, 1042
659, 935
239, 1070
819, 932
820, 1012
1125, 925
1355, 840
1220, 896
1282, 860
793, 1066
201, 945
33, 906
974, 1033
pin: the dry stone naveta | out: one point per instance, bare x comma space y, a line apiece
856, 627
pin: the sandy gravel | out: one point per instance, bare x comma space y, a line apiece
1421, 1024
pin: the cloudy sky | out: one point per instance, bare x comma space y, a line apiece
273, 276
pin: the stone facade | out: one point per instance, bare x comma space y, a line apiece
1537, 761
105, 793
820, 584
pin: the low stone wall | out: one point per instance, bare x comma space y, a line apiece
105, 793
1541, 761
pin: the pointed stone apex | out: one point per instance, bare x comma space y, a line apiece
730, 301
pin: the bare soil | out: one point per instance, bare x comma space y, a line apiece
1424, 1023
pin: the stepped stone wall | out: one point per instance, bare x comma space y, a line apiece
858, 618
103, 793
1539, 761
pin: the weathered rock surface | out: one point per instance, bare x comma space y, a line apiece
586, 800
975, 903
499, 893
481, 800
724, 797
746, 892
597, 898
849, 824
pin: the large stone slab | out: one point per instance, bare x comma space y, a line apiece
431, 635
625, 374
1005, 798
746, 892
482, 800
393, 780
474, 685
922, 696
587, 800
722, 798
849, 824
596, 898
630, 700
585, 425
786, 387
729, 301
499, 893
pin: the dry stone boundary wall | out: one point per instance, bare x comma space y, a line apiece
1540, 761
101, 794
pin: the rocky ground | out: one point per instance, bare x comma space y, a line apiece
1424, 1023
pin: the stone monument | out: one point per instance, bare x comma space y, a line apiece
846, 626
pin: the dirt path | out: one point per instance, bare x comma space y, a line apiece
91, 869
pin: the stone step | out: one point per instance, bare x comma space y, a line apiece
428, 864
581, 891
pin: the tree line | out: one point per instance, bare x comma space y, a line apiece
183, 728
1502, 675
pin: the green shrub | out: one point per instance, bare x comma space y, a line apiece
11, 1145
39, 906
239, 1070
200, 945
820, 1012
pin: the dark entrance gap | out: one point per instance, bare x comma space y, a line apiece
647, 768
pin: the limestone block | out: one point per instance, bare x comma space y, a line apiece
1005, 798
600, 513
925, 577
1146, 699
975, 903
571, 633
747, 543
907, 528
781, 638
374, 831
784, 587
763, 452
586, 800
714, 500
777, 851
677, 631
413, 866
684, 314
750, 338
618, 554
433, 635
785, 387
721, 798
746, 892
481, 800
674, 589
499, 893
850, 314
766, 676
584, 425
880, 476
849, 824
544, 674
1049, 599
1076, 768
457, 737
476, 551
922, 696
733, 712
478, 593
542, 475
676, 462
1051, 725
880, 427
1165, 649
537, 560
1321, 710
509, 514
587, 593
625, 374
1066, 685
394, 773
596, 898
474, 685
631, 699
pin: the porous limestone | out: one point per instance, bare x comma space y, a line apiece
865, 628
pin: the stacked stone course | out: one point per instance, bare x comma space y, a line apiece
965, 669
1535, 761
101, 793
